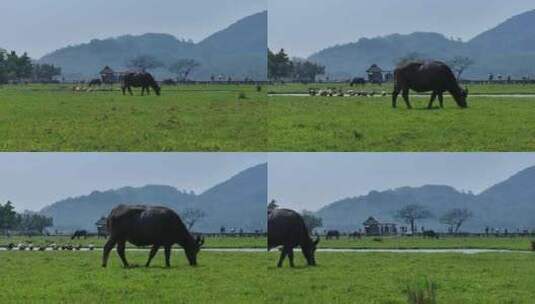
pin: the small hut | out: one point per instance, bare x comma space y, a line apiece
375, 74
102, 229
108, 75
373, 227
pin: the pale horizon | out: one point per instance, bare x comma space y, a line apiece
32, 181
42, 26
311, 181
303, 27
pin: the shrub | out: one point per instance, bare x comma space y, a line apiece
422, 293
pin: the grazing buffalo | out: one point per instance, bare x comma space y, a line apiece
430, 234
95, 82
287, 228
333, 234
357, 81
355, 235
139, 79
428, 76
78, 234
149, 225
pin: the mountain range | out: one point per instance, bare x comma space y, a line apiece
509, 204
507, 49
238, 202
238, 51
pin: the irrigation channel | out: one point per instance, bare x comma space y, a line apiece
326, 250
417, 96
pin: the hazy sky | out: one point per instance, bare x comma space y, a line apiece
33, 180
41, 26
306, 26
312, 180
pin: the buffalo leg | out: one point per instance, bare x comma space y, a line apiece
120, 251
130, 91
291, 257
284, 252
405, 95
433, 97
152, 253
107, 248
441, 100
124, 90
167, 256
395, 97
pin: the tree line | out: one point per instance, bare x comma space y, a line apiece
280, 66
410, 215
26, 222
17, 68
181, 68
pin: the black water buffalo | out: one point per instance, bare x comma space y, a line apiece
287, 228
139, 79
333, 234
357, 81
78, 234
95, 82
427, 76
430, 234
149, 225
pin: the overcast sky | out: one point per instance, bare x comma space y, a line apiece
312, 180
42, 26
306, 26
33, 180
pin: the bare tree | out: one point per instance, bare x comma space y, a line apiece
191, 216
184, 67
411, 213
272, 205
460, 64
144, 62
455, 218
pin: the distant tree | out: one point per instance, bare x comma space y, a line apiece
311, 220
304, 70
144, 62
460, 64
279, 65
3, 66
184, 67
8, 217
34, 222
191, 216
455, 218
272, 205
45, 72
411, 213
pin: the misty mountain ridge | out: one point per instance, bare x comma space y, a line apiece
509, 204
238, 51
507, 49
238, 202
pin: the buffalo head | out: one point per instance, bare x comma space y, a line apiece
193, 249
309, 250
157, 89
461, 98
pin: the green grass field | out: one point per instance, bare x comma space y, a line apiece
77, 277
184, 118
384, 278
62, 277
210, 242
512, 243
370, 124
